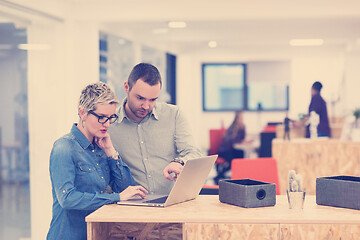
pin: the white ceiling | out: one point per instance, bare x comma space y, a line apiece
235, 34
234, 24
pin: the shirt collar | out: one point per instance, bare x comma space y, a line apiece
122, 114
154, 112
80, 137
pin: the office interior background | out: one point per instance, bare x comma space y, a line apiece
270, 52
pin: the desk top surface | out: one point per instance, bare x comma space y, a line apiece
208, 209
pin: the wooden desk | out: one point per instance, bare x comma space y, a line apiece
207, 218
315, 158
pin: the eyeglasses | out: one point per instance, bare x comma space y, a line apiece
104, 119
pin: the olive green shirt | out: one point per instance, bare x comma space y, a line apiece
149, 146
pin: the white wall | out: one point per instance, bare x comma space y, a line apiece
55, 79
307, 66
352, 84
328, 68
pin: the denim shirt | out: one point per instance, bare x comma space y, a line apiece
81, 176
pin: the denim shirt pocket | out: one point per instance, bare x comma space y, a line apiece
85, 174
106, 167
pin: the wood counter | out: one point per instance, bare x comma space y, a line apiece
206, 218
315, 158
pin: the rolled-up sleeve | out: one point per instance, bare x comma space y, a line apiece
185, 143
63, 172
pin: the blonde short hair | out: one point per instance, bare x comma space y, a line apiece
96, 93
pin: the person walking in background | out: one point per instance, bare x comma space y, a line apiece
234, 134
86, 171
318, 105
287, 122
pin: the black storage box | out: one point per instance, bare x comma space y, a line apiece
338, 191
247, 193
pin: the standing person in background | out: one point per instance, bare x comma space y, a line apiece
153, 138
234, 134
287, 122
318, 105
86, 171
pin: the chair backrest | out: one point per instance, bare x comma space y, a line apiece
216, 136
261, 169
270, 128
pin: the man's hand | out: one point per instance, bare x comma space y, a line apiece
173, 167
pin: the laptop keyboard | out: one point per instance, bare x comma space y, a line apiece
158, 200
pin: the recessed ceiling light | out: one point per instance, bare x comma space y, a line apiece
177, 24
307, 42
212, 44
160, 30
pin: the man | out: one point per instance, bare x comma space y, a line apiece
152, 138
318, 105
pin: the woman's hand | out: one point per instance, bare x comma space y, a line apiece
105, 144
133, 191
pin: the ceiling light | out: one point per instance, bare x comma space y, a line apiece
34, 46
307, 42
177, 24
212, 44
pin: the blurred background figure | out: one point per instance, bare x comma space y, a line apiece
318, 105
234, 134
287, 122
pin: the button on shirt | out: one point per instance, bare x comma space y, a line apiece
82, 176
149, 146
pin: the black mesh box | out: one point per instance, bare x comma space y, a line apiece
338, 191
247, 193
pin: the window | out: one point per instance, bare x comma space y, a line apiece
117, 57
223, 87
252, 86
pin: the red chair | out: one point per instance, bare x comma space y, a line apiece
270, 129
261, 169
210, 190
216, 136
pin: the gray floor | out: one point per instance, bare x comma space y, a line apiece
14, 211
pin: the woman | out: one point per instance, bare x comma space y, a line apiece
86, 171
234, 134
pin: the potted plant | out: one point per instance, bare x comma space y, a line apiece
295, 192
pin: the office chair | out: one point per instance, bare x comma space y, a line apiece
261, 169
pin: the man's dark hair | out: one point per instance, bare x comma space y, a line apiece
146, 72
317, 86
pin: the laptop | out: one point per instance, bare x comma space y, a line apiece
187, 186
